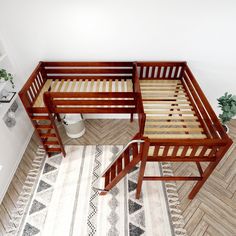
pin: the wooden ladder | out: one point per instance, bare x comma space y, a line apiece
48, 133
123, 163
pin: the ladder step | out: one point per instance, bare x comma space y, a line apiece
113, 171
126, 157
53, 149
39, 127
119, 165
48, 135
40, 118
48, 143
107, 178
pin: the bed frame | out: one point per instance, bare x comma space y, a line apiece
176, 122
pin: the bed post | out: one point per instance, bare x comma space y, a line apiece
144, 153
210, 168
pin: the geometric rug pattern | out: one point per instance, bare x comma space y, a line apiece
64, 202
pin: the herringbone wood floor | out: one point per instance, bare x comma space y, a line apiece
212, 212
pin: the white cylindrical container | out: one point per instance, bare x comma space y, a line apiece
74, 125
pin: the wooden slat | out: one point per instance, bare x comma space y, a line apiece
110, 86
67, 82
116, 85
129, 85
159, 81
176, 123
85, 86
91, 85
79, 86
104, 86
54, 85
168, 129
166, 102
73, 86
39, 100
167, 98
165, 107
175, 136
122, 85
98, 85
161, 88
149, 117
149, 111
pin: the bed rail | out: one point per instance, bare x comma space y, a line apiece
160, 70
63, 102
88, 70
33, 86
208, 115
188, 150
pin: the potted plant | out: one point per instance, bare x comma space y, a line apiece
5, 76
227, 103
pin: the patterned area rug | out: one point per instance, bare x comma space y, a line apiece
65, 204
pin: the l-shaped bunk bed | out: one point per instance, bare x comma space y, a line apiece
176, 122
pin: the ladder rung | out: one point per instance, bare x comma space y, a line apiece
107, 178
119, 165
51, 143
39, 127
113, 171
126, 157
53, 149
47, 135
40, 118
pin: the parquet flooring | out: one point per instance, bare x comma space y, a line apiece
212, 212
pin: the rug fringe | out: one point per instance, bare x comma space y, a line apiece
173, 202
24, 197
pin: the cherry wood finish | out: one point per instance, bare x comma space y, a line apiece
169, 86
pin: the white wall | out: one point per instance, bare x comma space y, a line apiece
201, 32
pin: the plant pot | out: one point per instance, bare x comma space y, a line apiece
226, 128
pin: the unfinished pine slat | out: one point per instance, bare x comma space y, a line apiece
39, 101
149, 111
73, 85
164, 98
91, 85
176, 123
159, 107
98, 85
129, 85
161, 86
85, 86
54, 85
79, 86
110, 86
154, 88
122, 85
159, 81
60, 86
175, 136
116, 85
166, 102
168, 129
104, 86
67, 82
150, 117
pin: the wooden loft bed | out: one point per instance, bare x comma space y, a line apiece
176, 122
